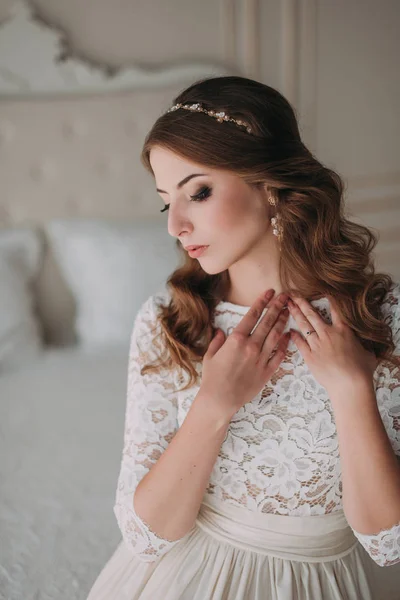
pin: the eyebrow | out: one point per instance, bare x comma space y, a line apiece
185, 180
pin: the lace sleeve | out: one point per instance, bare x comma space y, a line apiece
384, 546
150, 424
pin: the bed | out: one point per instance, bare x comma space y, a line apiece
61, 433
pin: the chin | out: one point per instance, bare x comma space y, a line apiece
210, 270
212, 267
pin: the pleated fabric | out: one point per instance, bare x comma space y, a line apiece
236, 554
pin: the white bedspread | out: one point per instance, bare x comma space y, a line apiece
61, 435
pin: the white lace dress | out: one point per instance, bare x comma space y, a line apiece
271, 525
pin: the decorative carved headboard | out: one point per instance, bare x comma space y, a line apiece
70, 139
70, 133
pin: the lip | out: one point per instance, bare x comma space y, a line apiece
198, 252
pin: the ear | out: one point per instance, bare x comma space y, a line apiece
266, 191
269, 196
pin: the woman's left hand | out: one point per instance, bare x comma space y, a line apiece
333, 353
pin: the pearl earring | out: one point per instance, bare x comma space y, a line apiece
277, 228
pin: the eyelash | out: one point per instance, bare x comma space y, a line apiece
204, 193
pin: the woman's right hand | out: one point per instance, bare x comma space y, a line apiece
237, 368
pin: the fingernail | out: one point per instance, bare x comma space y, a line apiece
268, 294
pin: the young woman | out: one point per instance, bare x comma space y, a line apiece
260, 444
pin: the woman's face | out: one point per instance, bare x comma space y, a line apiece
228, 215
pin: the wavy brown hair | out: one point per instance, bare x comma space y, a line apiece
322, 252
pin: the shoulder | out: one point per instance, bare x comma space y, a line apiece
391, 301
391, 311
146, 323
152, 304
386, 376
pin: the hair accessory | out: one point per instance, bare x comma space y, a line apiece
277, 228
220, 116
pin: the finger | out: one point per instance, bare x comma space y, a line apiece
249, 320
335, 312
297, 314
215, 344
274, 334
305, 315
268, 320
300, 343
279, 355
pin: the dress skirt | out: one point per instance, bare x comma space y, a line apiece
235, 554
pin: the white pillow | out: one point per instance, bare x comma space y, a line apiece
21, 251
111, 268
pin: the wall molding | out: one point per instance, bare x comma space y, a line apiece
298, 78
252, 40
228, 28
289, 50
307, 71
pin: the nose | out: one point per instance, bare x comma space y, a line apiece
178, 223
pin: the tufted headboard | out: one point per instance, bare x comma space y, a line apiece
75, 157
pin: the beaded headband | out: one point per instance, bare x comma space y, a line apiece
220, 116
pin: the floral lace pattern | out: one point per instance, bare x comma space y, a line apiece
150, 424
281, 452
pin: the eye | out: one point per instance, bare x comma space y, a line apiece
204, 193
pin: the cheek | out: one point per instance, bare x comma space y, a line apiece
241, 222
230, 214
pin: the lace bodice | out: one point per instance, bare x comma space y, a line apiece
280, 454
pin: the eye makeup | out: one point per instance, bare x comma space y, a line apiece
202, 195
